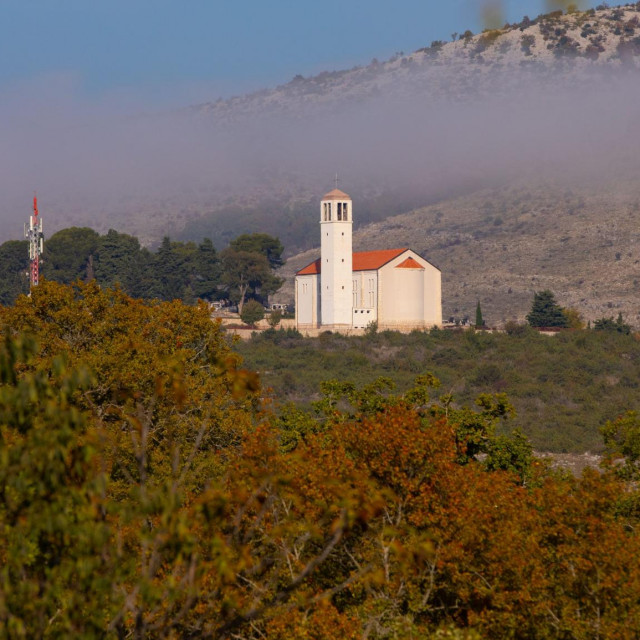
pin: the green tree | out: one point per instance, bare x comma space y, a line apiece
68, 254
252, 312
274, 318
246, 274
546, 312
479, 318
511, 453
622, 438
121, 260
206, 277
14, 267
271, 248
173, 266
55, 545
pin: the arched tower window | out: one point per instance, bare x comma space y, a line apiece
345, 208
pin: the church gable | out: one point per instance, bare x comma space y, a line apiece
409, 263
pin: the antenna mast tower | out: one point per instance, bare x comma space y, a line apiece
36, 243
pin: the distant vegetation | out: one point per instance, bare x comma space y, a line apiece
297, 221
177, 270
563, 387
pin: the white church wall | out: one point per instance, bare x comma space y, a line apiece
409, 298
365, 289
362, 317
432, 296
306, 300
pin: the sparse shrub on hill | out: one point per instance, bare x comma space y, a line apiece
609, 324
526, 42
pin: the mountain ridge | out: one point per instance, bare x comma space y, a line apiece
592, 40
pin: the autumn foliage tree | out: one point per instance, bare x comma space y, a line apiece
149, 492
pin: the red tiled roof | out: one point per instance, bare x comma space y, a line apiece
367, 260
310, 269
362, 261
409, 263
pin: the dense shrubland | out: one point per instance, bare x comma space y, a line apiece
563, 387
149, 491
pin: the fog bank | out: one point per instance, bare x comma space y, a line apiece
121, 163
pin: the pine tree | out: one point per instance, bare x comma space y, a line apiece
546, 312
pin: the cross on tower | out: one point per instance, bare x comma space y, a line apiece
337, 181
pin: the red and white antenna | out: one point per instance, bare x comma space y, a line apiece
36, 243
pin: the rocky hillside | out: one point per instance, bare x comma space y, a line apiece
576, 42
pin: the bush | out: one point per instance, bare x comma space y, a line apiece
274, 319
252, 312
609, 324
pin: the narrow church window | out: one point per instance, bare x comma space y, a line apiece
329, 209
342, 259
339, 213
344, 212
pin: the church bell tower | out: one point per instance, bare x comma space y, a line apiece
336, 272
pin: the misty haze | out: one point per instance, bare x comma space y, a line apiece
151, 174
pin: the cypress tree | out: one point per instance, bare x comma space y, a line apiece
479, 318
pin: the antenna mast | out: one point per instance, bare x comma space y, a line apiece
36, 243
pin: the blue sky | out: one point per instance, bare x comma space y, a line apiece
173, 52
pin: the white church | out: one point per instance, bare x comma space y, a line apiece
344, 291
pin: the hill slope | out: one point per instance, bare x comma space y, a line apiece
577, 42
